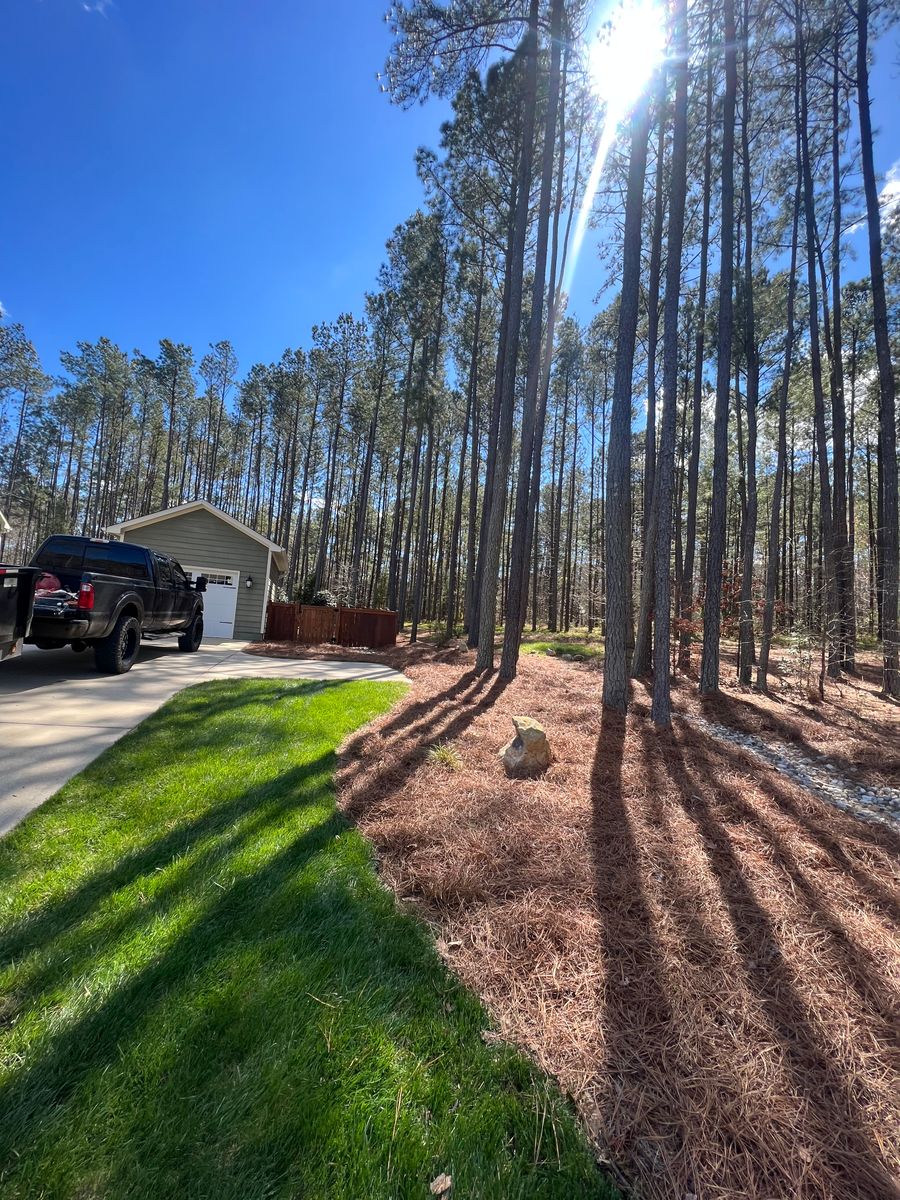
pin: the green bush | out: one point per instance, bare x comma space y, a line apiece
324, 599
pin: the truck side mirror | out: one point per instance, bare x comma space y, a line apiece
200, 584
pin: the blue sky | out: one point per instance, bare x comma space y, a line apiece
199, 169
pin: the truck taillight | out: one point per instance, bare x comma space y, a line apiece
86, 596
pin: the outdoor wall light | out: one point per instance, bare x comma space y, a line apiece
249, 581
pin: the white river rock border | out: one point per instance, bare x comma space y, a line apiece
821, 778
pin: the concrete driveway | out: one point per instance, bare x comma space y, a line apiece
57, 712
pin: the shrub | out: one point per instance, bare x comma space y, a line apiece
324, 599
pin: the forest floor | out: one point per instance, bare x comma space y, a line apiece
701, 950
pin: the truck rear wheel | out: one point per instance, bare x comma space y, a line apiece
117, 653
190, 640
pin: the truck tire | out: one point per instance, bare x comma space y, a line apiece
116, 653
190, 640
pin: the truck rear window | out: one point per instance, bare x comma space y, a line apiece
74, 556
116, 558
60, 554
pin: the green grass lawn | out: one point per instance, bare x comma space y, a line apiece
205, 992
574, 645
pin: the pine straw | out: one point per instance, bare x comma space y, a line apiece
703, 954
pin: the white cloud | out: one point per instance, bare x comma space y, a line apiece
888, 199
890, 193
97, 6
4, 311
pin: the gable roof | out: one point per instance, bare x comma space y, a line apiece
278, 553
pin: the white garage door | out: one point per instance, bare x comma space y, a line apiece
219, 599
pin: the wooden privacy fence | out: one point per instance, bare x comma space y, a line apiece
313, 624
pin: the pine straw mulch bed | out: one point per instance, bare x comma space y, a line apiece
704, 954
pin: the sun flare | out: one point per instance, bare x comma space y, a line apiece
622, 60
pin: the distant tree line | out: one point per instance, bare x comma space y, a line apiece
713, 454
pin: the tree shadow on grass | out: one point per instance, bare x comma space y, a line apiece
203, 842
258, 1049
195, 710
39, 1091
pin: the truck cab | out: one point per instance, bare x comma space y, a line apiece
107, 595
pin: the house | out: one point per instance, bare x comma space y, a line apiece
240, 564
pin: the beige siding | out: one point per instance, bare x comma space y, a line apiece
198, 539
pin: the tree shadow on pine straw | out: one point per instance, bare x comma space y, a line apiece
420, 715
855, 846
878, 736
812, 979
404, 740
747, 1054
769, 821
633, 1006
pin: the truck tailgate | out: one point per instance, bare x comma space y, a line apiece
16, 603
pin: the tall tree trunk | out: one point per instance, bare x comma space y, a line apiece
493, 424
494, 531
556, 275
397, 523
762, 670
746, 647
640, 661
887, 416
712, 608
423, 558
661, 710
690, 536
617, 513
471, 401
831, 599
362, 495
842, 548
518, 569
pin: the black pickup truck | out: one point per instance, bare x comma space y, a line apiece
108, 595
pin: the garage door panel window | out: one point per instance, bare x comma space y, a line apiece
219, 577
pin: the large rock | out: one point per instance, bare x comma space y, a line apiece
529, 751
